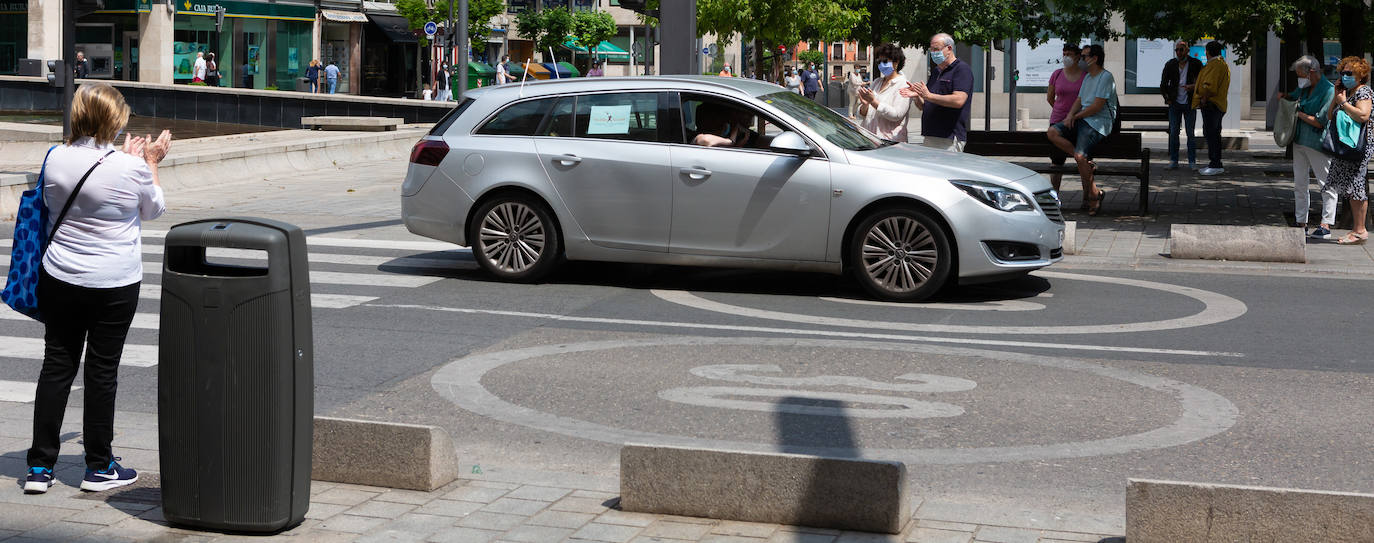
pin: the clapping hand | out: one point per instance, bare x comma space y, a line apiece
914, 90
867, 96
156, 150
134, 145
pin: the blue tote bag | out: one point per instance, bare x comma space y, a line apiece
31, 242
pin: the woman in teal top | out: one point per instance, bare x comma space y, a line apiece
1354, 100
1314, 102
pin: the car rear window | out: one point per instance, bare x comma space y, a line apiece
447, 120
518, 119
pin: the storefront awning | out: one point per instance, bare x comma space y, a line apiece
343, 16
395, 27
603, 49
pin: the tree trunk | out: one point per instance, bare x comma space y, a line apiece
1290, 49
757, 61
875, 21
1315, 34
1353, 28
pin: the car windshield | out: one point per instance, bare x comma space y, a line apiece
830, 125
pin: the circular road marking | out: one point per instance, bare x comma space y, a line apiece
1204, 413
1218, 308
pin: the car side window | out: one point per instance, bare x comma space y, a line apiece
631, 116
560, 124
718, 122
520, 119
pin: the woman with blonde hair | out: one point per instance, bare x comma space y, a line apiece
313, 74
1353, 100
88, 287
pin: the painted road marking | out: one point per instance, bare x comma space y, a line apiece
736, 373
722, 397
21, 391
810, 332
329, 277
138, 356
990, 305
1218, 308
322, 241
1203, 412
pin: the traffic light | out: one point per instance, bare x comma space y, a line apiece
58, 77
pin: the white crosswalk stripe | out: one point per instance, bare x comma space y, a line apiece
369, 277
21, 391
139, 356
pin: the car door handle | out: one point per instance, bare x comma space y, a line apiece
697, 173
568, 160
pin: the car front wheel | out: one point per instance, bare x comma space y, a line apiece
516, 239
900, 254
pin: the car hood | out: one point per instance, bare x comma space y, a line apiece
906, 157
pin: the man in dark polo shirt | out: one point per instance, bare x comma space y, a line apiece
945, 98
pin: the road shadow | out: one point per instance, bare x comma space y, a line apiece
713, 280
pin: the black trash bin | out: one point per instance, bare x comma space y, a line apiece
235, 376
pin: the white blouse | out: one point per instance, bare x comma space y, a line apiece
889, 119
98, 245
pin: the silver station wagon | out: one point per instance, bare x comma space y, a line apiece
716, 171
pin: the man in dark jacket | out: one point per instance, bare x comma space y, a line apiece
1176, 84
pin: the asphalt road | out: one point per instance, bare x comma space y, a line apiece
1044, 392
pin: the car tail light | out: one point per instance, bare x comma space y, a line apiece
429, 152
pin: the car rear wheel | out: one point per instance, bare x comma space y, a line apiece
900, 254
515, 239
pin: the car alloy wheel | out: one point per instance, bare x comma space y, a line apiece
900, 254
516, 239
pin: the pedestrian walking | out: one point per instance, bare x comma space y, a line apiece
1061, 93
443, 85
792, 81
211, 70
331, 76
811, 81
1353, 100
944, 99
852, 84
198, 70
82, 69
1176, 84
503, 71
884, 110
1089, 122
90, 276
312, 74
1314, 96
1213, 82
247, 73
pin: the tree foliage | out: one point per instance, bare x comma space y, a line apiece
480, 12
590, 28
548, 28
780, 22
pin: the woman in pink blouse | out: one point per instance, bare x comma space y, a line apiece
1061, 94
883, 109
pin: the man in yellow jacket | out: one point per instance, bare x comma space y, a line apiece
1213, 82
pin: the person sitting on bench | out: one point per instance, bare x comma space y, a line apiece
1095, 108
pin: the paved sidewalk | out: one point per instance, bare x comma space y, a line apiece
478, 508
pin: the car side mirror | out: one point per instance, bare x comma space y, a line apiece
791, 143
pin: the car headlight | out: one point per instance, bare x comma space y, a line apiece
997, 197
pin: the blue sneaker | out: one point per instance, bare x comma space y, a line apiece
1320, 233
39, 480
112, 476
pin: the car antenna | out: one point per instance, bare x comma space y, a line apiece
524, 76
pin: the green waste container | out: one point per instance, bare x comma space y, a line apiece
480, 75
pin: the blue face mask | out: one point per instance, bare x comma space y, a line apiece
937, 56
885, 68
1348, 81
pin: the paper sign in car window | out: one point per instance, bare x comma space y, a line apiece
609, 120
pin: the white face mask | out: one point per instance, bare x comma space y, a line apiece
1069, 61
1304, 82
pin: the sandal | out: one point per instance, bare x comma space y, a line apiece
1093, 210
1353, 239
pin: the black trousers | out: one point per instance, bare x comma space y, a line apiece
95, 320
1211, 129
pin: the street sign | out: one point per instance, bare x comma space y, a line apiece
431, 28
705, 51
712, 49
